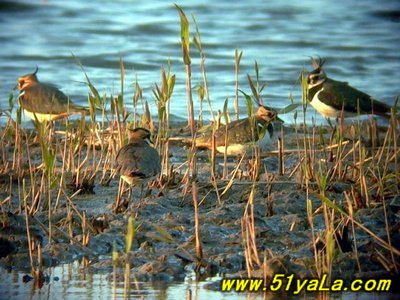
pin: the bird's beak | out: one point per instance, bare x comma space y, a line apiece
279, 119
15, 87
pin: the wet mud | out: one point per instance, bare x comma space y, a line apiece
164, 245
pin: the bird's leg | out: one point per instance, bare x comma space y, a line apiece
149, 187
119, 195
141, 192
129, 193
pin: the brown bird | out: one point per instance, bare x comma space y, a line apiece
240, 134
138, 162
43, 101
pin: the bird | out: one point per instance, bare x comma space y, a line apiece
330, 97
238, 136
43, 101
138, 162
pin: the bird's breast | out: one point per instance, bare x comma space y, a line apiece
322, 108
41, 117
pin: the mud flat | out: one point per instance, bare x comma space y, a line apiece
324, 206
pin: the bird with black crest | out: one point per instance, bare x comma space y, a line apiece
332, 98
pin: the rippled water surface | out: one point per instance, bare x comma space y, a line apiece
359, 39
70, 281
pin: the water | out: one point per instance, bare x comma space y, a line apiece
359, 39
70, 281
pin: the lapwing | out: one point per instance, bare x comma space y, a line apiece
43, 101
239, 135
138, 162
330, 97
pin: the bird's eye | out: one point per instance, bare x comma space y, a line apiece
21, 83
312, 79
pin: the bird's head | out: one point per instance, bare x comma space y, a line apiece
27, 80
139, 134
266, 113
316, 76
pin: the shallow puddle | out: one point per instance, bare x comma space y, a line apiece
71, 281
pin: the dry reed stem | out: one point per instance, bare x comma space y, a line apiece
249, 235
280, 157
350, 211
199, 248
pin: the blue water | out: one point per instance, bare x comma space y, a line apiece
359, 39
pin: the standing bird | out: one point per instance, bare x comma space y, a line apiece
138, 162
240, 135
43, 101
330, 97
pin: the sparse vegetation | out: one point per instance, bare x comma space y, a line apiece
342, 180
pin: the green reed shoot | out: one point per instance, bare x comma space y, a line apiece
226, 120
95, 98
163, 95
185, 41
257, 87
199, 248
122, 79
250, 112
238, 57
201, 94
203, 89
48, 159
137, 95
10, 102
147, 120
129, 237
130, 234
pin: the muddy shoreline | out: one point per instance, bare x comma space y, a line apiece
164, 245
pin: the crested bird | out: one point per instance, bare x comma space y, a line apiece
330, 97
238, 136
43, 101
138, 162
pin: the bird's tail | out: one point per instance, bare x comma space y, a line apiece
199, 142
181, 140
80, 109
86, 110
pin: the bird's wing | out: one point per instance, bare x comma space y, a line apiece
239, 132
341, 95
236, 132
47, 99
138, 160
